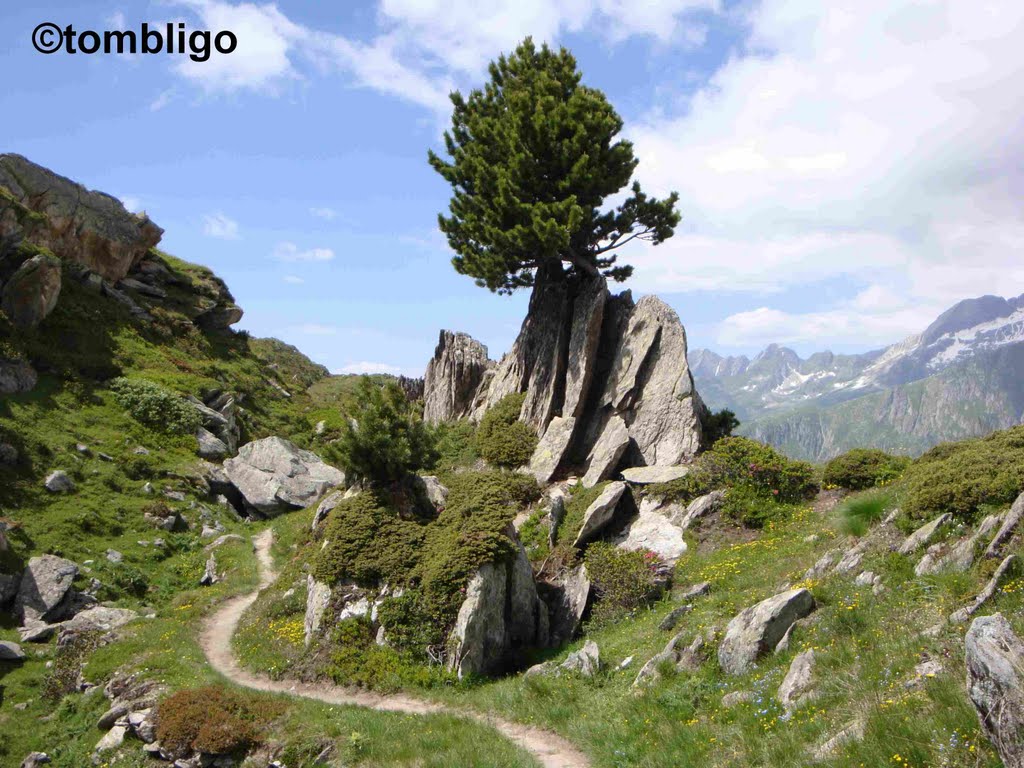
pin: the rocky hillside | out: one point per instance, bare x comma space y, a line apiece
196, 570
959, 378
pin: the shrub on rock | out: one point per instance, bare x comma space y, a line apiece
863, 468
623, 579
502, 439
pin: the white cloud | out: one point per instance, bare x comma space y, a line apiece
290, 252
324, 213
163, 98
420, 50
874, 145
268, 43
293, 280
220, 226
366, 367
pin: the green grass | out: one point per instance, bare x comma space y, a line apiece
857, 513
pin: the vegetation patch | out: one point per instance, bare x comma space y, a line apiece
961, 478
624, 580
858, 513
502, 439
863, 468
212, 720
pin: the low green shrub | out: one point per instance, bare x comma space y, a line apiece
746, 505
384, 439
623, 580
961, 477
862, 468
502, 439
156, 407
211, 720
368, 541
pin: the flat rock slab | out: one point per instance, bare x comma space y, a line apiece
922, 535
600, 513
651, 475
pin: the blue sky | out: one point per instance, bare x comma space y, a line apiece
844, 176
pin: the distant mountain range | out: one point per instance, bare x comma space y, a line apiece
962, 377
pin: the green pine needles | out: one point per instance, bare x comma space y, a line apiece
533, 157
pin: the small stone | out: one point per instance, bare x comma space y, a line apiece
114, 556
59, 482
11, 651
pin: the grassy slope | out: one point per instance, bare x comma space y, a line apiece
86, 341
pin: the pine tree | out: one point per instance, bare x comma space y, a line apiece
533, 157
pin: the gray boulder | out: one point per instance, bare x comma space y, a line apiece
600, 513
796, 687
995, 660
210, 446
700, 507
434, 489
568, 608
758, 629
32, 291
16, 376
656, 533
59, 482
500, 614
586, 661
35, 760
454, 377
11, 651
318, 597
274, 475
45, 593
650, 380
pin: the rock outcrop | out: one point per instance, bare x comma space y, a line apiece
995, 684
758, 629
600, 513
91, 228
652, 531
570, 598
274, 475
501, 615
31, 293
610, 375
454, 376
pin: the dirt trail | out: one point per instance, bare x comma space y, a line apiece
550, 750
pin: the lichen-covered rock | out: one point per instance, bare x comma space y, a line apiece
569, 605
700, 507
454, 377
59, 482
209, 445
551, 448
796, 687
91, 228
500, 614
274, 475
652, 388
318, 597
45, 593
32, 292
757, 630
607, 451
995, 684
600, 513
586, 661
